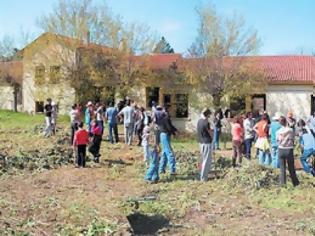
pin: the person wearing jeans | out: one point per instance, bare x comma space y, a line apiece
152, 175
307, 142
111, 118
285, 138
217, 129
248, 125
167, 155
274, 127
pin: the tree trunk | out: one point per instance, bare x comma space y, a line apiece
15, 97
216, 100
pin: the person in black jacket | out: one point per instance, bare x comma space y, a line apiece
166, 129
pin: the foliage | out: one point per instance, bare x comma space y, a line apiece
216, 61
163, 47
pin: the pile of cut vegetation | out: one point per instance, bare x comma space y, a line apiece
57, 152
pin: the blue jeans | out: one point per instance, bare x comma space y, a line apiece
248, 146
275, 157
216, 138
153, 171
166, 154
304, 159
264, 157
113, 127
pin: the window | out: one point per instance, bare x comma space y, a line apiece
152, 95
39, 74
167, 99
54, 74
39, 106
258, 103
181, 105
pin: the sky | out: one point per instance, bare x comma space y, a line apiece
284, 26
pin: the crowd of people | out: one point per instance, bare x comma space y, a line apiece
274, 139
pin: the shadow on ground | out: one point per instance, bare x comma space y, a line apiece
146, 224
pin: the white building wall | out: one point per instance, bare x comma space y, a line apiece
285, 98
6, 97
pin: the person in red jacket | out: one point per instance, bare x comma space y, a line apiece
81, 140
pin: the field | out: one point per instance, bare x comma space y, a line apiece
41, 193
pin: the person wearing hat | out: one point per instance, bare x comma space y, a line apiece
204, 136
274, 127
89, 111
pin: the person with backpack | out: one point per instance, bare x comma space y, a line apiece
262, 143
204, 136
307, 143
285, 138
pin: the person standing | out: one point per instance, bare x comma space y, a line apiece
128, 113
111, 117
262, 143
167, 156
89, 112
157, 116
307, 142
81, 140
74, 119
204, 135
285, 138
248, 125
48, 111
96, 132
99, 112
291, 121
54, 114
237, 140
152, 174
217, 128
139, 125
274, 127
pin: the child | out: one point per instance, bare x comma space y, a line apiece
81, 139
152, 175
96, 131
145, 143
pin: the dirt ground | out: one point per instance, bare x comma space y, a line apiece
111, 198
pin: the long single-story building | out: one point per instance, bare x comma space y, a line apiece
49, 61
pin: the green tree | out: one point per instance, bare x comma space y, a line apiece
163, 47
217, 61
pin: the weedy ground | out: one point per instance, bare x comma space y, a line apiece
41, 193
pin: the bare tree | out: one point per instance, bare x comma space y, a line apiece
217, 62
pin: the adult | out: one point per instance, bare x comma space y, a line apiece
128, 114
237, 140
54, 113
48, 110
204, 135
111, 117
218, 115
158, 115
285, 138
99, 112
307, 142
96, 140
262, 143
291, 121
248, 125
139, 125
74, 119
167, 129
88, 114
274, 127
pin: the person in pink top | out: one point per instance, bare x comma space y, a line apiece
96, 131
237, 140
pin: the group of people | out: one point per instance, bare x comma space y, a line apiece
274, 139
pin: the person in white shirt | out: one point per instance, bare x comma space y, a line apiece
248, 124
128, 113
